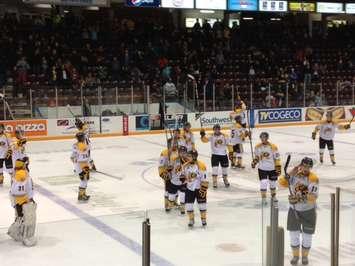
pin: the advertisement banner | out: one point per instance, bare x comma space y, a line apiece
302, 7
328, 7
319, 113
208, 120
67, 126
211, 4
177, 3
350, 8
175, 121
243, 5
143, 3
279, 115
142, 122
272, 6
36, 127
99, 3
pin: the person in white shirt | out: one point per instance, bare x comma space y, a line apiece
5, 153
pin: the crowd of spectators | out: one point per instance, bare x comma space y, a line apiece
66, 50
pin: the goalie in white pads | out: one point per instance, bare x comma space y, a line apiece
194, 172
81, 158
21, 193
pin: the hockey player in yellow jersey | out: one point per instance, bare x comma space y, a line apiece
220, 143
301, 220
326, 131
19, 147
188, 137
81, 158
240, 110
194, 172
21, 194
167, 156
83, 127
237, 137
5, 153
267, 158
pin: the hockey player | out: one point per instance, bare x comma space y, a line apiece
21, 193
177, 186
19, 148
269, 164
167, 156
188, 137
83, 127
326, 135
81, 158
5, 153
238, 134
219, 145
196, 181
240, 110
301, 220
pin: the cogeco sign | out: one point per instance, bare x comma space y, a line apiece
280, 115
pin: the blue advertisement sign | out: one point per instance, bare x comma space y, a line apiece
243, 5
279, 115
143, 3
142, 122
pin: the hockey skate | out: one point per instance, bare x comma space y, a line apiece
305, 261
226, 182
82, 197
294, 260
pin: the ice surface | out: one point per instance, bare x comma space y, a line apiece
107, 230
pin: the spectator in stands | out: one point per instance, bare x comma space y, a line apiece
21, 68
170, 89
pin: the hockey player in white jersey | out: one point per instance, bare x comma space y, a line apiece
220, 143
237, 137
326, 136
194, 171
21, 194
5, 153
301, 220
187, 137
268, 159
18, 148
81, 158
84, 128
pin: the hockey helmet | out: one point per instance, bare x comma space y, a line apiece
187, 126
306, 161
264, 135
238, 119
216, 126
78, 123
2, 127
80, 136
182, 150
194, 155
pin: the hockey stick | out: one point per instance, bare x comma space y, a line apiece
250, 136
107, 174
70, 110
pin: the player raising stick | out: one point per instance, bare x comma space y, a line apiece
326, 135
269, 164
301, 219
238, 134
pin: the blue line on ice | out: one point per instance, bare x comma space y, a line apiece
101, 226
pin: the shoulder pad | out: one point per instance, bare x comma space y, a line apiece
201, 165
313, 177
164, 152
258, 145
273, 147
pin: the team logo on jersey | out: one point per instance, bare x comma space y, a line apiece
265, 155
219, 142
301, 190
192, 176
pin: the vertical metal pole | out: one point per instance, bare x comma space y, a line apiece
185, 99
4, 102
146, 243
332, 230
164, 101
81, 98
116, 96
269, 95
148, 100
287, 94
214, 97
251, 95
31, 103
337, 225
56, 102
304, 94
204, 98
233, 97
274, 231
194, 98
353, 93
337, 92
132, 101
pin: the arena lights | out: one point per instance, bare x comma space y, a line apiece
43, 6
207, 11
248, 18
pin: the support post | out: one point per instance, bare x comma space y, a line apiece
146, 242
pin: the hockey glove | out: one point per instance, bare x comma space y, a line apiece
9, 154
292, 199
314, 134
203, 189
254, 163
202, 133
346, 126
230, 155
165, 176
278, 169
182, 179
170, 168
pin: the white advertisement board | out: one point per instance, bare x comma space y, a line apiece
328, 7
211, 4
272, 6
350, 8
99, 3
177, 3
